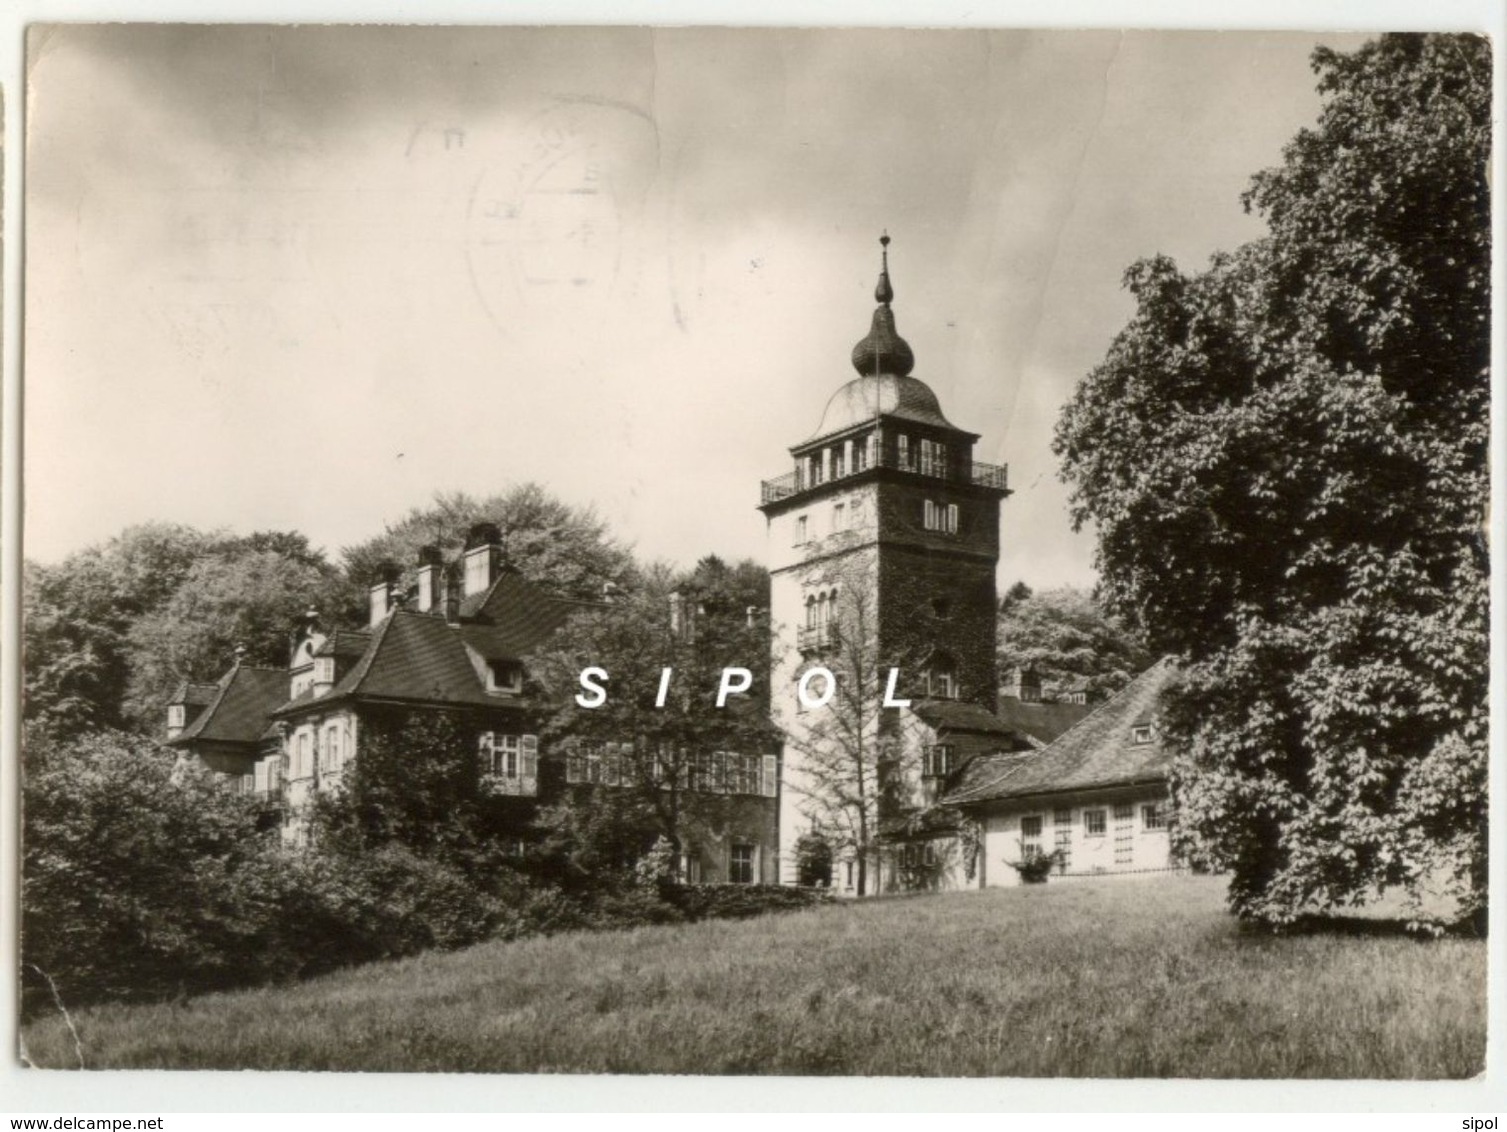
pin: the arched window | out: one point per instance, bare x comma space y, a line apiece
811, 612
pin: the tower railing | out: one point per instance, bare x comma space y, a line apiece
995, 476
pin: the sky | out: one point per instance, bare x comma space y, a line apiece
306, 278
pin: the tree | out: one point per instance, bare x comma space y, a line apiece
110, 630
1285, 461
140, 878
77, 615
238, 597
660, 759
858, 765
564, 549
1070, 642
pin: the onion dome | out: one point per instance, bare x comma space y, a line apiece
883, 350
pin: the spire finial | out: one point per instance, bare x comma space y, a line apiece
883, 351
884, 293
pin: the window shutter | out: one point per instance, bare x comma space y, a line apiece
531, 764
769, 786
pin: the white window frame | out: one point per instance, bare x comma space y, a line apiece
751, 862
1088, 825
1153, 817
1140, 734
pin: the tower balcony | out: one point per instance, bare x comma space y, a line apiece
791, 484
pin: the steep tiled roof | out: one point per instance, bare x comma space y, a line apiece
1042, 722
244, 698
195, 695
1097, 752
346, 644
955, 715
419, 657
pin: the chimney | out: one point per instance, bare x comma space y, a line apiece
431, 566
384, 582
451, 588
482, 557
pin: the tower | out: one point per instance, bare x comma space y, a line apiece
886, 530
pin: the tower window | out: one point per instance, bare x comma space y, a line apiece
941, 678
940, 517
933, 458
800, 530
903, 451
839, 517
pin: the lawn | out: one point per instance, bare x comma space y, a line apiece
1146, 978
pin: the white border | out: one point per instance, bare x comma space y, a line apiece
31, 1091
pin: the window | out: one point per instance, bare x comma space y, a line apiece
1153, 817
933, 458
839, 518
1063, 821
936, 761
941, 608
800, 530
1030, 826
1140, 734
175, 715
941, 679
509, 763
902, 449
740, 865
303, 765
837, 463
940, 517
332, 751
1123, 811
1093, 823
324, 670
504, 676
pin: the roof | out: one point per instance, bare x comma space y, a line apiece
864, 399
244, 697
1043, 722
1097, 752
345, 644
958, 715
512, 615
421, 658
195, 695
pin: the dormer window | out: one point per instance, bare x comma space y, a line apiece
324, 670
1140, 734
504, 676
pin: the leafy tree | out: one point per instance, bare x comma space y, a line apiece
110, 630
1069, 641
235, 598
139, 879
564, 549
857, 766
1285, 460
663, 752
78, 614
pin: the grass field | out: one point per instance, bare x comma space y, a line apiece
1109, 980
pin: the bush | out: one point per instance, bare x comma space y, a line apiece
739, 901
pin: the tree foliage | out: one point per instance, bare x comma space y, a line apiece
664, 748
1284, 458
567, 550
110, 630
1070, 642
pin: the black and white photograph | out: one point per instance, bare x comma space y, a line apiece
755, 552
